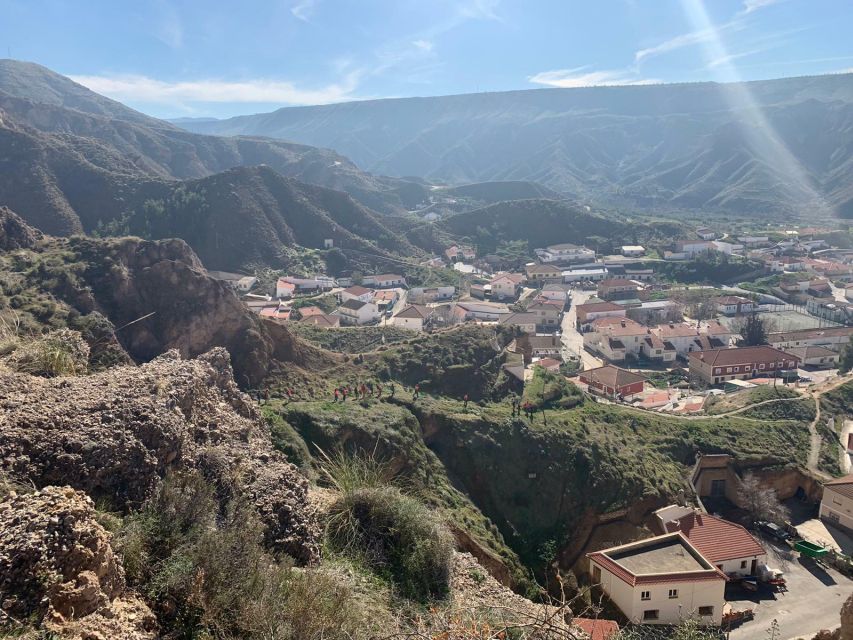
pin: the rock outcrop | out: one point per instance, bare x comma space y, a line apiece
15, 233
57, 566
115, 434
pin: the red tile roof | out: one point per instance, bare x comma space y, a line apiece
842, 486
310, 311
741, 355
356, 290
597, 629
716, 539
611, 376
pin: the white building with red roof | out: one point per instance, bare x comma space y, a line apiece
836, 506
727, 545
660, 580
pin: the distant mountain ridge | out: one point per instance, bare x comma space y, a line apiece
662, 146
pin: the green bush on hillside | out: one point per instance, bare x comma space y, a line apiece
397, 537
546, 389
58, 353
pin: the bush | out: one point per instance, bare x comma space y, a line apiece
204, 570
58, 353
397, 537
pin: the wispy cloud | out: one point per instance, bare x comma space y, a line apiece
169, 28
303, 9
731, 57
688, 39
143, 89
581, 77
750, 6
423, 45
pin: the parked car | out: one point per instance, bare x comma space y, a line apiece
774, 531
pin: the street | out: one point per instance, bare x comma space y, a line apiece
572, 339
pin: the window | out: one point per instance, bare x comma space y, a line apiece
743, 564
673, 593
706, 611
737, 369
718, 370
728, 369
761, 366
651, 614
645, 595
596, 575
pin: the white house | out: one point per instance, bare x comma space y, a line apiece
506, 285
566, 253
311, 282
432, 294
525, 322
632, 250
705, 233
818, 357
580, 275
555, 292
836, 506
660, 580
414, 316
357, 292
385, 280
483, 311
833, 338
284, 289
729, 248
245, 283
357, 312
734, 305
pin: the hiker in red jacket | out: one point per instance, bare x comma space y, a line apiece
336, 394
363, 391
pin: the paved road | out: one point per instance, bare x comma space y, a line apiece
813, 601
572, 339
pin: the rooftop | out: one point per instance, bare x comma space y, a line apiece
598, 306
742, 355
611, 376
519, 318
716, 539
667, 558
806, 334
356, 290
415, 311
353, 304
843, 486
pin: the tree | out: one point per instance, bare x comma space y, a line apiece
753, 329
845, 364
760, 502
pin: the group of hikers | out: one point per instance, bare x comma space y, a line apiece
528, 409
363, 391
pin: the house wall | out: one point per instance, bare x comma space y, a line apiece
836, 508
733, 567
691, 596
416, 324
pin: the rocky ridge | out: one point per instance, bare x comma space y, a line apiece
115, 434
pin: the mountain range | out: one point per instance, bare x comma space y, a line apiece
772, 147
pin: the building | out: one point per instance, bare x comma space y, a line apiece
582, 275
506, 286
310, 310
833, 338
245, 284
420, 295
415, 316
323, 320
385, 280
357, 312
617, 288
726, 545
460, 253
279, 313
613, 382
681, 336
660, 580
566, 253
387, 298
555, 293
549, 364
719, 365
533, 347
541, 274
632, 250
835, 311
729, 248
639, 274
818, 357
597, 628
656, 311
483, 311
586, 313
615, 338
525, 322
284, 290
357, 292
836, 506
705, 233
692, 248
653, 348
734, 305
548, 315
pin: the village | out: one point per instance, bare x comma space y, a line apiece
624, 334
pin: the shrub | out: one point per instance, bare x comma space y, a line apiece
397, 537
58, 353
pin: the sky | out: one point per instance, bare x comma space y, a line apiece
207, 58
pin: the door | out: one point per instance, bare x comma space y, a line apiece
753, 566
718, 488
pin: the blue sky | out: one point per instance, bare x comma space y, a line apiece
210, 58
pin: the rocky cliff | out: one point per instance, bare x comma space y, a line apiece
116, 434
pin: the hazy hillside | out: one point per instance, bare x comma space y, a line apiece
770, 146
37, 98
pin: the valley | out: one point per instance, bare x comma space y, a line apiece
264, 392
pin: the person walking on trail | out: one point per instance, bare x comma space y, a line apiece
417, 392
289, 395
363, 391
370, 387
392, 390
465, 401
266, 396
378, 390
344, 394
336, 394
